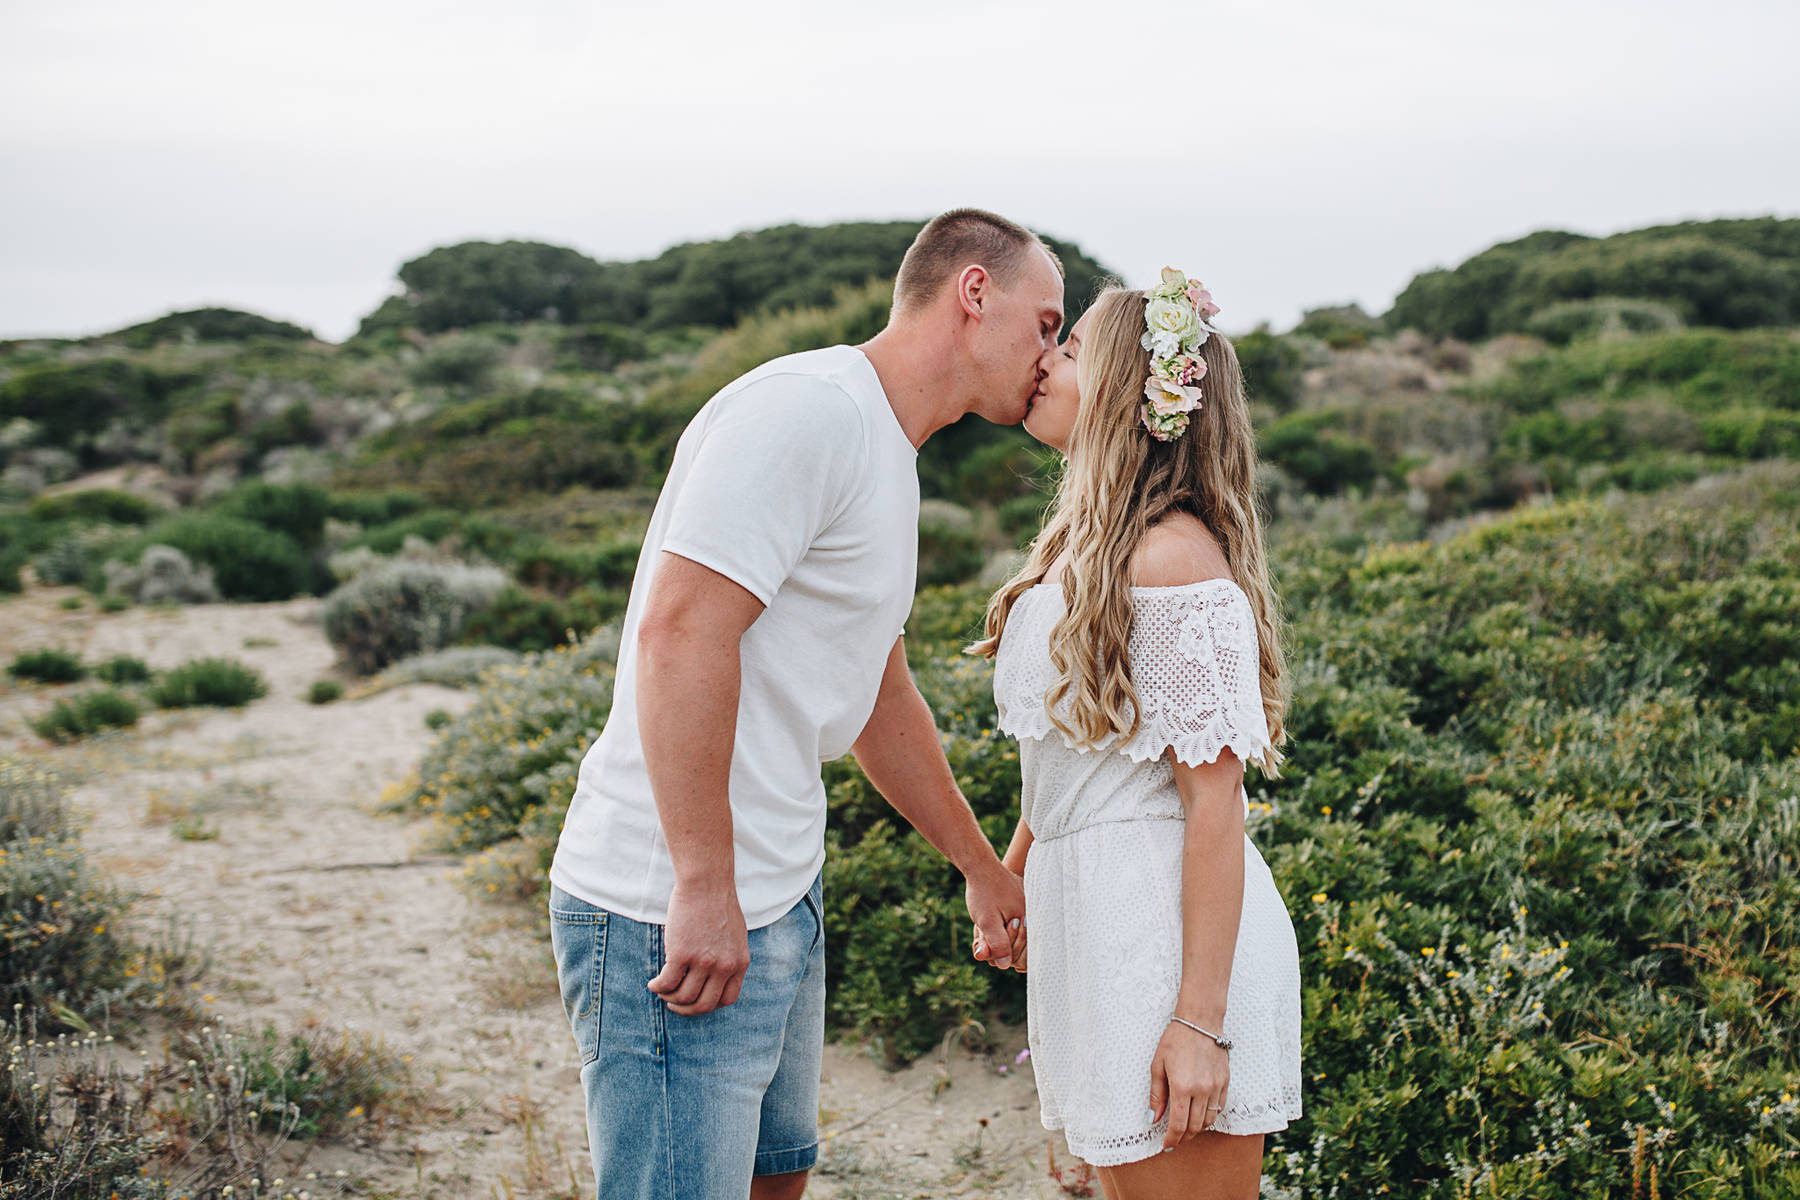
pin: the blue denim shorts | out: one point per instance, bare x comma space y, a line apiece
691, 1107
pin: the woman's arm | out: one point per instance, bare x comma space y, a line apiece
1191, 1073
1018, 849
1212, 885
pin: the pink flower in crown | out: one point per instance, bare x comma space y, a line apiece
1202, 299
1171, 275
1189, 368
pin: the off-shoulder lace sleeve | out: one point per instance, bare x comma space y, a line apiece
1193, 662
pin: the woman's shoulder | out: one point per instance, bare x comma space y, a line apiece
1177, 551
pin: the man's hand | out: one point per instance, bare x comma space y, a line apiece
706, 950
996, 900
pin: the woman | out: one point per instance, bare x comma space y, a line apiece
1138, 663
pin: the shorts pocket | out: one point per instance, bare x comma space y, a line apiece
579, 942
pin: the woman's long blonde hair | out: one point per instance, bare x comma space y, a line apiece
1119, 481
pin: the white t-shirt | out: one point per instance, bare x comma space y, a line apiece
797, 482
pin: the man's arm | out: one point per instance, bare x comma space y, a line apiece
900, 753
689, 673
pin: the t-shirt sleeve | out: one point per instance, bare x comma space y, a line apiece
1198, 677
773, 467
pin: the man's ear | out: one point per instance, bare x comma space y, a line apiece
972, 290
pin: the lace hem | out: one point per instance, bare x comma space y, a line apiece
1196, 749
1240, 1120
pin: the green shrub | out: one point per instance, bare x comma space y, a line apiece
1000, 471
63, 956
1567, 320
75, 402
402, 608
1272, 367
47, 666
505, 767
563, 569
87, 713
220, 682
95, 504
295, 509
463, 360
950, 551
319, 1083
248, 561
122, 668
1327, 462
523, 621
324, 691
1752, 433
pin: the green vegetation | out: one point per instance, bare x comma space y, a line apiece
1537, 832
123, 668
47, 666
222, 682
1732, 274
87, 713
63, 957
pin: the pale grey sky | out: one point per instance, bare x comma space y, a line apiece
286, 159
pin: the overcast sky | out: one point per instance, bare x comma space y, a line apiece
287, 158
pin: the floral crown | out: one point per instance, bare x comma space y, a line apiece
1176, 316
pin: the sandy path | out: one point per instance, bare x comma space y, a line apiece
318, 911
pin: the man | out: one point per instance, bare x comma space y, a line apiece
763, 637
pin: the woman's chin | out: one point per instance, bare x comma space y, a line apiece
1034, 425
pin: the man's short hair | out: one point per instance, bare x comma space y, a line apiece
959, 238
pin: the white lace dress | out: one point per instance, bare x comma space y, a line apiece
1103, 878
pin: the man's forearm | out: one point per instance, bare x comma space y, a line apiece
688, 684
900, 752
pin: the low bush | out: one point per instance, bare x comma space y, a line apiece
122, 668
458, 666
523, 621
95, 504
87, 713
1327, 462
163, 575
248, 561
64, 958
47, 666
950, 550
505, 767
221, 682
403, 608
324, 691
1564, 322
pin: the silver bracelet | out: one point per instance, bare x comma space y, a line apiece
1224, 1044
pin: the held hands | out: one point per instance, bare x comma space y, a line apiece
996, 900
1188, 1079
706, 950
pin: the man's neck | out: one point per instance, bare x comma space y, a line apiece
918, 373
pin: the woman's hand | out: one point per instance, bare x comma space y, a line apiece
979, 947
1188, 1079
